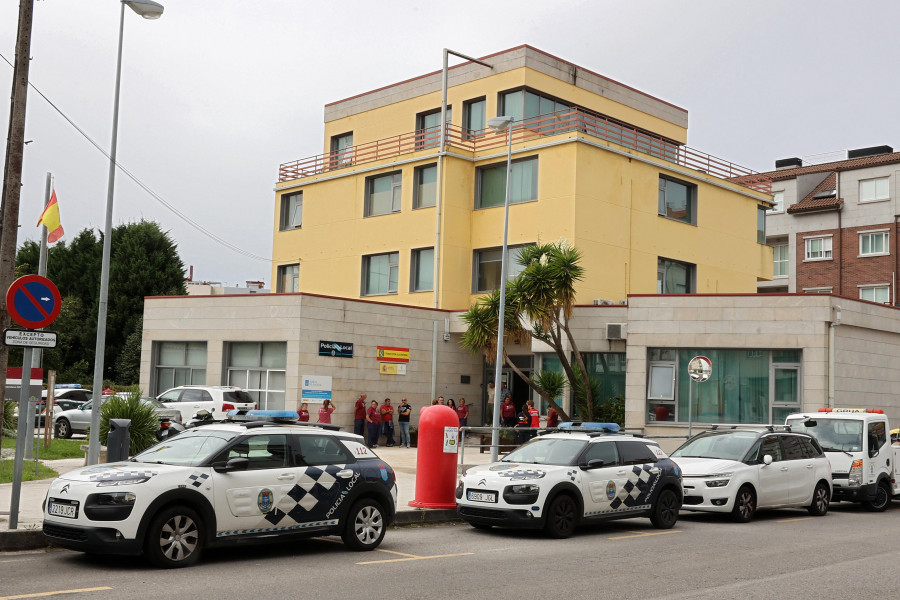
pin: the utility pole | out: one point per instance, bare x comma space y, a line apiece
12, 177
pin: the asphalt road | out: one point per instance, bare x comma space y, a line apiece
782, 554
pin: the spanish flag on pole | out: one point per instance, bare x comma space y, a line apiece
50, 220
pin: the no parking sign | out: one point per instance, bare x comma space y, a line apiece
33, 301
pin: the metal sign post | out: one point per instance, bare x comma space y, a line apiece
699, 370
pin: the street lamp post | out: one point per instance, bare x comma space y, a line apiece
148, 10
500, 124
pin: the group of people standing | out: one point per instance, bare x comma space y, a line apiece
461, 410
373, 421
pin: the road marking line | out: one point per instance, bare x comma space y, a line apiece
45, 594
410, 557
792, 520
637, 534
398, 553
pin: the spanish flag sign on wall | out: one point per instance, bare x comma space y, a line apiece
50, 220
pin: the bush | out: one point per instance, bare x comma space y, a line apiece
144, 422
10, 423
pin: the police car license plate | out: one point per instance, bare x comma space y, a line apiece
482, 496
61, 509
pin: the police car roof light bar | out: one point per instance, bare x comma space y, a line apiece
276, 416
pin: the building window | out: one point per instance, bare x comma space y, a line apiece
473, 118
525, 104
818, 290
490, 183
761, 225
874, 243
875, 293
428, 130
342, 150
778, 199
818, 248
291, 211
677, 200
383, 194
674, 277
872, 190
179, 363
782, 258
421, 268
380, 273
425, 190
258, 368
288, 279
488, 267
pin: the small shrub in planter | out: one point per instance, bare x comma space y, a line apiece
144, 422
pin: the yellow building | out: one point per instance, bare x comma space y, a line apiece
594, 161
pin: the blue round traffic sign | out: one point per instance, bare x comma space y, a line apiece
33, 301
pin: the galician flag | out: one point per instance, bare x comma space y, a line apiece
50, 220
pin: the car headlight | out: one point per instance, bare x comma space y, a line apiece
129, 481
116, 498
720, 480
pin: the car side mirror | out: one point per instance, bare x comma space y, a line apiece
594, 463
767, 459
238, 463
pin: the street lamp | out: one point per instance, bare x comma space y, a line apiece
498, 124
148, 10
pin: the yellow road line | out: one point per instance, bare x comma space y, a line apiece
792, 520
45, 594
410, 557
398, 553
637, 534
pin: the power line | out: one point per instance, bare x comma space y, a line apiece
143, 185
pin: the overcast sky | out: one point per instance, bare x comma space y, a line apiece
215, 95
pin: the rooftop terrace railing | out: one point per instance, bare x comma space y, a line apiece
572, 120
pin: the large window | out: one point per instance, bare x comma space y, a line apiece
674, 277
871, 190
746, 386
291, 211
874, 243
761, 225
342, 150
258, 368
678, 200
421, 268
490, 186
782, 260
818, 248
383, 194
380, 273
525, 104
288, 279
428, 130
179, 363
875, 293
473, 117
778, 199
425, 190
488, 267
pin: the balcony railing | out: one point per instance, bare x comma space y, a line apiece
573, 120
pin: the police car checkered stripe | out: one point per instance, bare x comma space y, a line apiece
121, 475
308, 525
616, 511
197, 479
637, 490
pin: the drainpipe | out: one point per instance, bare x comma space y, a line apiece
834, 323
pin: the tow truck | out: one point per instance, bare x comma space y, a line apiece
864, 463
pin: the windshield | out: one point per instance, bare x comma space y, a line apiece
726, 445
547, 451
834, 435
190, 448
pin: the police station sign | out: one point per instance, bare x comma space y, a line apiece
338, 349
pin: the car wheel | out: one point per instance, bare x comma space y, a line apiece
881, 501
365, 526
665, 513
744, 505
63, 429
561, 517
819, 506
174, 538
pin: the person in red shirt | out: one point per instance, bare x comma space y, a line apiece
387, 421
462, 411
325, 411
373, 422
303, 413
552, 418
508, 412
359, 416
535, 415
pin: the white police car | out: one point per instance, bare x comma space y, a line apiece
225, 481
559, 480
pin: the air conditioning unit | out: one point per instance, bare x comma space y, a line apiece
603, 302
616, 331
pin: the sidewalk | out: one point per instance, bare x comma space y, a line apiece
28, 534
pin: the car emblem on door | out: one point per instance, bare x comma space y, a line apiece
266, 500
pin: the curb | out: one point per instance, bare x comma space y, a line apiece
16, 540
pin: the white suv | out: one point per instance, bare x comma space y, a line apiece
741, 470
217, 399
